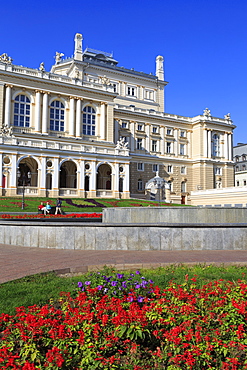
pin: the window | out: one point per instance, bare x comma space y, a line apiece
170, 185
237, 183
216, 145
243, 157
183, 170
140, 166
149, 95
182, 133
88, 121
236, 159
115, 87
22, 111
139, 144
154, 145
124, 125
237, 168
169, 168
182, 149
140, 127
169, 131
168, 147
243, 167
183, 187
131, 91
155, 130
244, 182
217, 171
57, 116
155, 167
140, 185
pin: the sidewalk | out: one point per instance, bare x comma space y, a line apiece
17, 262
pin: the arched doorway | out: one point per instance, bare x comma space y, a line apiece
68, 176
104, 181
27, 173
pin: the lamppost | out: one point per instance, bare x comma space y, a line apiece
23, 177
159, 184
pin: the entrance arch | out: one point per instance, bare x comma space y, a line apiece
68, 175
104, 181
28, 172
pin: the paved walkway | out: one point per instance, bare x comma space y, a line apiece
17, 262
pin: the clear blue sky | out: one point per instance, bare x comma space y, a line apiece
203, 43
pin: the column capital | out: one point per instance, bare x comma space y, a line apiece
8, 85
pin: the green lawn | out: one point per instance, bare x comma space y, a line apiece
13, 204
39, 289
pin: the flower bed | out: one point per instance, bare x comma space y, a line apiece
71, 215
181, 327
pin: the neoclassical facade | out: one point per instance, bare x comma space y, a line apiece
89, 128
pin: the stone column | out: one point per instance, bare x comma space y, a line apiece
115, 186
209, 144
205, 142
55, 178
132, 136
126, 192
37, 111
92, 180
72, 117
176, 143
45, 113
81, 176
230, 147
162, 142
7, 106
78, 118
102, 120
147, 130
226, 146
42, 178
1, 173
13, 176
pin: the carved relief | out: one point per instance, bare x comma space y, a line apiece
6, 131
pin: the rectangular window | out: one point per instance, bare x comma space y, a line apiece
182, 133
169, 131
154, 145
140, 185
182, 149
237, 183
139, 144
169, 168
183, 187
140, 127
183, 170
155, 130
244, 182
140, 166
124, 125
155, 167
217, 170
131, 91
149, 95
168, 147
115, 87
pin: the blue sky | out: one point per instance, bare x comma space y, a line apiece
203, 43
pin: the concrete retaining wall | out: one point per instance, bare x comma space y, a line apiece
188, 215
125, 236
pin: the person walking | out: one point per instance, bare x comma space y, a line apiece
58, 206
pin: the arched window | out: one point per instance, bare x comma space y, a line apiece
216, 145
57, 116
22, 111
88, 121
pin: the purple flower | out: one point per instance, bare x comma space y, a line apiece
137, 272
137, 286
79, 284
105, 290
114, 283
140, 299
130, 299
120, 276
87, 282
100, 287
124, 284
151, 281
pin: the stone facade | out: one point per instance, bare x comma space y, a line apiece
89, 128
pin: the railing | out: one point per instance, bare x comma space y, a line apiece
28, 190
104, 193
67, 191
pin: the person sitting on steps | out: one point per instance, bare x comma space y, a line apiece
47, 208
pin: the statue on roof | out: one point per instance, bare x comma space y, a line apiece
207, 112
227, 116
58, 57
5, 58
42, 67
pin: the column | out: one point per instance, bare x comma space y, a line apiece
176, 143
82, 179
72, 116
37, 111
78, 118
226, 146
147, 130
92, 180
13, 175
102, 121
132, 136
126, 181
45, 113
230, 147
7, 106
116, 182
209, 144
42, 179
205, 142
55, 178
162, 142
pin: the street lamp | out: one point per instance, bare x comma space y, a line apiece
24, 178
159, 184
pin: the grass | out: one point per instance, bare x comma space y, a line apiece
13, 204
39, 289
